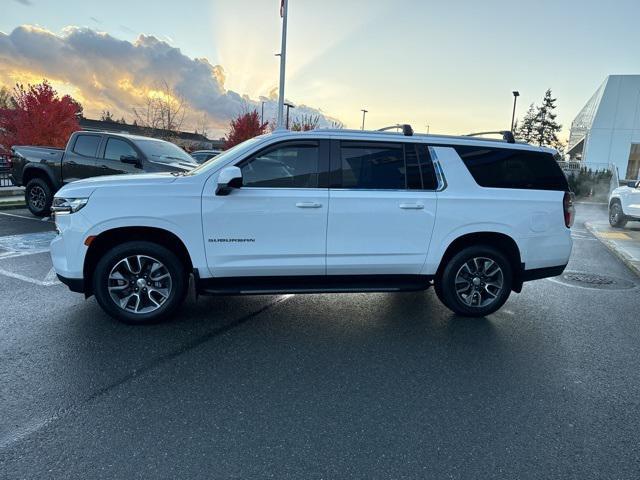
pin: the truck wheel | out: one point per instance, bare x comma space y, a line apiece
38, 196
475, 282
140, 282
617, 218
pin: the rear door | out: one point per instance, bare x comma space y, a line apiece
113, 152
79, 160
382, 207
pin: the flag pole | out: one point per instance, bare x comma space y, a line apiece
283, 60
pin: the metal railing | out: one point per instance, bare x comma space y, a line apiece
5, 167
573, 167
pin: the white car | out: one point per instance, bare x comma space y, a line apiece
624, 204
320, 211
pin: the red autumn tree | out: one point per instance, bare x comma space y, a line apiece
40, 117
243, 127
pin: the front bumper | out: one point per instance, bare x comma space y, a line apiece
68, 249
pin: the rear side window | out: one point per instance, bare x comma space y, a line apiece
385, 166
421, 173
372, 166
86, 145
510, 168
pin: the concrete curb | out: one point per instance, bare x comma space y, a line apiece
578, 202
612, 248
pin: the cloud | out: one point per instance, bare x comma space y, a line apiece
108, 73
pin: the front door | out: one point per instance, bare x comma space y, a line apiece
382, 208
276, 223
111, 162
634, 201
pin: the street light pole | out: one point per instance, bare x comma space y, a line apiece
364, 112
262, 115
283, 60
516, 94
288, 105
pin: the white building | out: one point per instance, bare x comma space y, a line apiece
607, 129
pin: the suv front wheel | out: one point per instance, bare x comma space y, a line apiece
475, 282
140, 282
617, 218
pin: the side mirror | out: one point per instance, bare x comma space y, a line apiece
632, 183
132, 160
229, 178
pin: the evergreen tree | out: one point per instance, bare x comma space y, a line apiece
546, 127
525, 131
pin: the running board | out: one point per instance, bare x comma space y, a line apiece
312, 284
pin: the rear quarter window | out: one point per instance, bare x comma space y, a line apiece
511, 168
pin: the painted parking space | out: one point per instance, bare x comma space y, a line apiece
24, 248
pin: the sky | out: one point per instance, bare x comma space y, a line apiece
451, 65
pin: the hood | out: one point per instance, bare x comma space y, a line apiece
85, 187
169, 165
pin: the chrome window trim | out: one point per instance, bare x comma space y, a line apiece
442, 181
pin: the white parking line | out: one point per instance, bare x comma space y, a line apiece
35, 219
48, 281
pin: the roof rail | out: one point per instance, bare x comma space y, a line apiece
507, 135
407, 131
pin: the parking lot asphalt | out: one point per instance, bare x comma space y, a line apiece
321, 386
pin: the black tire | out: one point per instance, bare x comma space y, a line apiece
148, 251
38, 196
445, 283
617, 218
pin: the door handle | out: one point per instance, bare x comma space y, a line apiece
308, 205
412, 206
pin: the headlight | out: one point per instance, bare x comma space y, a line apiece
68, 205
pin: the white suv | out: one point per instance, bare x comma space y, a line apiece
624, 204
320, 211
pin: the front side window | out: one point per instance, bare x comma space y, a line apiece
86, 145
372, 166
116, 149
285, 166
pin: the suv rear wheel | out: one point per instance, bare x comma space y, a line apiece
475, 282
140, 282
39, 196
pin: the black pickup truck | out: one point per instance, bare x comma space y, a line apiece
90, 154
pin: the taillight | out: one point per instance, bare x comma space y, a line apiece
569, 209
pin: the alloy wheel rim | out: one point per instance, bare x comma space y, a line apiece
139, 284
479, 282
37, 197
614, 214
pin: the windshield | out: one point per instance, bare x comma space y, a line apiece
224, 156
161, 151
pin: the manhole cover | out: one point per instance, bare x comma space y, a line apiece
594, 280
